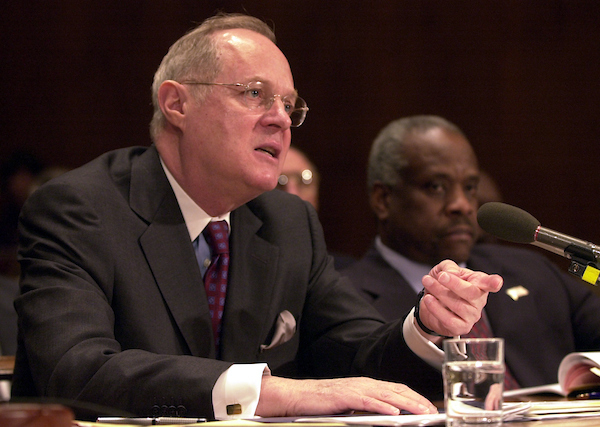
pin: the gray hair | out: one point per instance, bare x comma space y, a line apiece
387, 159
195, 55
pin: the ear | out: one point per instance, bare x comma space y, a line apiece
380, 200
172, 97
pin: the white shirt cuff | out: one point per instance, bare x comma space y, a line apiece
238, 388
420, 345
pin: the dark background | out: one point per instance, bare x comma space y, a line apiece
519, 77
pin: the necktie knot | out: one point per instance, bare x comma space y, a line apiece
216, 234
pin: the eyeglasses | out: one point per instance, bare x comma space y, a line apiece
257, 96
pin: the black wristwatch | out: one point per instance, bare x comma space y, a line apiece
418, 318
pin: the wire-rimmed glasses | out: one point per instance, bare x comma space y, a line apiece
257, 95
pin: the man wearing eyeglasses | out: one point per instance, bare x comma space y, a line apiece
113, 310
299, 176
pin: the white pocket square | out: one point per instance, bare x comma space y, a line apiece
285, 328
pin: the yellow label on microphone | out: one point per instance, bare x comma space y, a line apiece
590, 275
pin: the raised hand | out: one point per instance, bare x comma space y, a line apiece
455, 297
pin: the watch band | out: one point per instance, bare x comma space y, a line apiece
418, 318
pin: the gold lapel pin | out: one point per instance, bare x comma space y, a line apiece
517, 292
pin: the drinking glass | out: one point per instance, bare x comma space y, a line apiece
473, 381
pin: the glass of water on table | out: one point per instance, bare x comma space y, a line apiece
473, 381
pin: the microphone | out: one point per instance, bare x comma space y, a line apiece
515, 225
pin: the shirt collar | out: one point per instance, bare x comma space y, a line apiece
194, 216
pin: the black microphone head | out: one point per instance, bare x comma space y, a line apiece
507, 222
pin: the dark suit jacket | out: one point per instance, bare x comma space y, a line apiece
113, 309
560, 315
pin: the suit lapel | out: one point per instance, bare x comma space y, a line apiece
392, 295
249, 293
169, 252
499, 303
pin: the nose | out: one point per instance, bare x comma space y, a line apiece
276, 113
461, 201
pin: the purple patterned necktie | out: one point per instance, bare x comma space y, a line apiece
216, 235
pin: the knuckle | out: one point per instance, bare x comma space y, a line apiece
400, 388
385, 394
368, 401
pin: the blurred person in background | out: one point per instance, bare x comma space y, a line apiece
487, 191
300, 176
17, 174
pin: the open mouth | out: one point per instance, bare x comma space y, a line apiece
269, 151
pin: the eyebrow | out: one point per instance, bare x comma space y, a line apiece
268, 83
441, 175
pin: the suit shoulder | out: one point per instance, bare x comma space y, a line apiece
116, 162
509, 261
112, 163
100, 179
505, 252
363, 271
362, 267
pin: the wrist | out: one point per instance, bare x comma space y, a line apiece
418, 317
278, 397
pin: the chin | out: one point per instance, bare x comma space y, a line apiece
458, 254
263, 180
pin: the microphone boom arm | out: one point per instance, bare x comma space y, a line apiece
567, 246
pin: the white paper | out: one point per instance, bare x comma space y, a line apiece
382, 420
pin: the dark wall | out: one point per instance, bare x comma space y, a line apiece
519, 77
